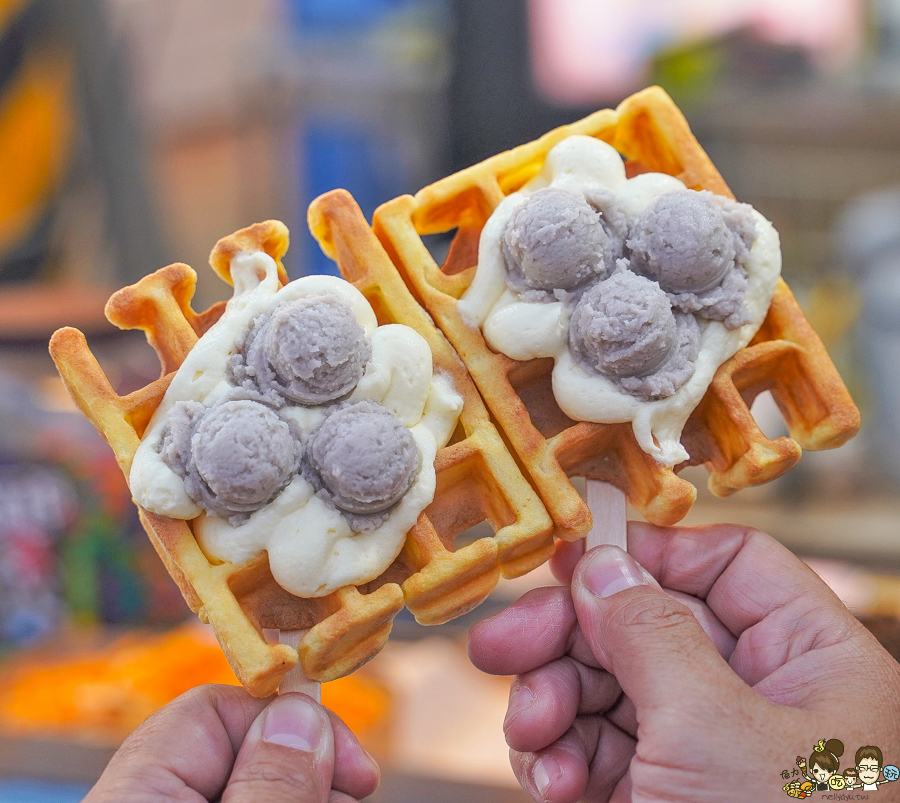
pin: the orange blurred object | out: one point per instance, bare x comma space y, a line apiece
103, 693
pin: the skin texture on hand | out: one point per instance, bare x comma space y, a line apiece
692, 669
219, 743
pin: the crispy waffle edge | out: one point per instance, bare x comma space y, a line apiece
785, 357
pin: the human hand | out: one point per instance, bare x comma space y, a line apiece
700, 692
219, 743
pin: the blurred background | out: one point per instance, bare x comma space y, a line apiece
134, 133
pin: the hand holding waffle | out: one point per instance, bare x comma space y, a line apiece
727, 649
218, 742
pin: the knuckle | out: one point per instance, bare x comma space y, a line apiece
640, 618
189, 705
140, 784
199, 696
558, 679
751, 534
583, 738
268, 781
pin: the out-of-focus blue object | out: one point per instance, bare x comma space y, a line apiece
351, 156
340, 14
371, 80
869, 236
27, 791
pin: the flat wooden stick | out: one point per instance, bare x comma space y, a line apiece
607, 506
295, 680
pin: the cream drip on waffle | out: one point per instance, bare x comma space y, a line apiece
524, 328
311, 545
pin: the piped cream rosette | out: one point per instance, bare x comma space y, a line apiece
311, 546
525, 329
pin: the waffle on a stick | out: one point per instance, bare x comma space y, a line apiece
786, 356
477, 479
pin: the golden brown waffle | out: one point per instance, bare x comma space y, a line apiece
476, 477
785, 357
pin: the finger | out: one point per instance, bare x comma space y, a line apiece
622, 792
743, 574
565, 559
188, 745
541, 627
340, 797
543, 703
612, 759
624, 716
687, 559
652, 643
720, 635
536, 629
288, 755
588, 762
815, 650
355, 771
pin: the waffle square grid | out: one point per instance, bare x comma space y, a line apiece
785, 357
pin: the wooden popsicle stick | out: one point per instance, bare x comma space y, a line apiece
607, 506
295, 680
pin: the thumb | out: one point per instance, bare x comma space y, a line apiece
287, 755
652, 643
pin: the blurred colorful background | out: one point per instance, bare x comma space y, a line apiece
134, 133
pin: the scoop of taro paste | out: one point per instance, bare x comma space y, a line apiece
695, 244
623, 326
555, 240
362, 459
235, 456
625, 329
309, 351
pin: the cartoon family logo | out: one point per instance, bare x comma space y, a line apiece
820, 772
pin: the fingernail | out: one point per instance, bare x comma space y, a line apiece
294, 722
545, 771
521, 698
610, 570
